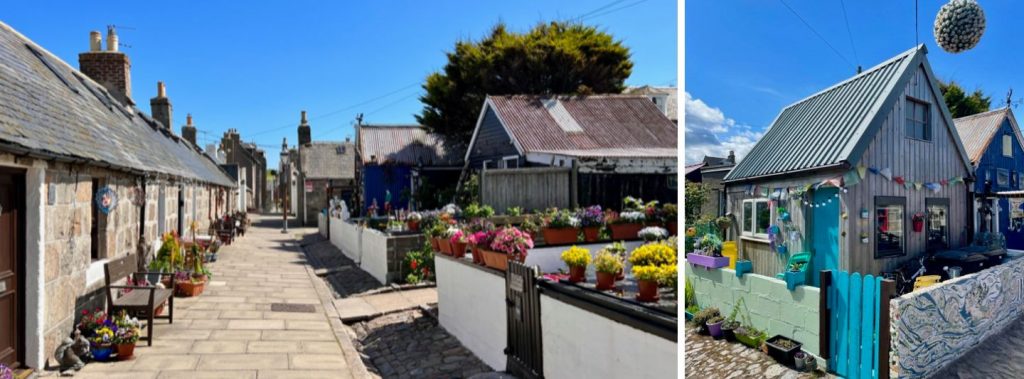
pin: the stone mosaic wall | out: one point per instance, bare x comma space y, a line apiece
933, 327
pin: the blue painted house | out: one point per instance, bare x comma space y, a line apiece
994, 142
404, 159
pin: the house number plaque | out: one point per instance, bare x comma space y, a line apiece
516, 283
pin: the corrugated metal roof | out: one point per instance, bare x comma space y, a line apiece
328, 160
626, 122
406, 144
977, 131
655, 152
826, 128
47, 107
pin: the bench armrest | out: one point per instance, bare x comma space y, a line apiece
133, 287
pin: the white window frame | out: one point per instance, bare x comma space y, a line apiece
483, 164
1007, 145
752, 233
503, 163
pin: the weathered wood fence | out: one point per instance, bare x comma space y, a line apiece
528, 188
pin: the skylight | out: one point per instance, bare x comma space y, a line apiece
561, 116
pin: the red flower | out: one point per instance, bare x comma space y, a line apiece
413, 264
426, 271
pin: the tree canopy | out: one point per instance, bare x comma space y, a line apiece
960, 104
555, 58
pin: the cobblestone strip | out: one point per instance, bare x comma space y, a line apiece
710, 358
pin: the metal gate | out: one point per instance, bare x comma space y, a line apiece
522, 297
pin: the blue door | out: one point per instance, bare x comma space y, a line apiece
824, 232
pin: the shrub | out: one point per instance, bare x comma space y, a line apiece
514, 211
576, 257
418, 265
706, 315
607, 262
653, 254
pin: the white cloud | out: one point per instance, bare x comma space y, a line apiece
710, 132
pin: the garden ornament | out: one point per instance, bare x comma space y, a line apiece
71, 353
959, 25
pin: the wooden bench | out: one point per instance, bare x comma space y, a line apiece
141, 301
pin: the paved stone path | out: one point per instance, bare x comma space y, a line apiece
230, 330
710, 358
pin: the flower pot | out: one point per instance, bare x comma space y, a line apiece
729, 332
435, 243
496, 260
781, 354
559, 236
918, 226
625, 231
125, 351
743, 336
707, 261
799, 361
478, 257
446, 246
673, 228
159, 311
715, 329
591, 233
458, 249
744, 266
605, 281
414, 225
620, 275
189, 289
648, 292
794, 278
102, 353
578, 274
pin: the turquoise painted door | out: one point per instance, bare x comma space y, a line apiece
825, 232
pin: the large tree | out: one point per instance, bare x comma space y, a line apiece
960, 104
555, 58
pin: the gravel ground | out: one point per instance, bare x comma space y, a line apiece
710, 358
411, 344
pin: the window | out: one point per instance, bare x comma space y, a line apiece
937, 225
1002, 177
509, 162
889, 226
757, 216
918, 126
1007, 146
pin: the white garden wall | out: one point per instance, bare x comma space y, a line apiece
347, 237
471, 306
583, 344
374, 254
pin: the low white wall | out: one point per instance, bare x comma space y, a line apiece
471, 303
549, 259
582, 344
374, 254
347, 237
321, 223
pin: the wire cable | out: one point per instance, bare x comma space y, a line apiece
336, 111
842, 4
816, 33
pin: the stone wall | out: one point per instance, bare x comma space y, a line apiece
772, 307
934, 326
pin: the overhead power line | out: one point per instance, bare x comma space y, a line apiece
598, 9
849, 33
336, 111
385, 106
843, 57
613, 10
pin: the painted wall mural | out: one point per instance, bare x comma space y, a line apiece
933, 327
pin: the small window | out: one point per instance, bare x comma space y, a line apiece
1007, 146
889, 226
748, 216
918, 125
938, 223
509, 162
1002, 177
757, 216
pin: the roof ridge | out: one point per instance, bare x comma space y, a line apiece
985, 113
899, 57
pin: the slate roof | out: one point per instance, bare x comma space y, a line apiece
324, 160
977, 131
610, 125
672, 106
406, 144
694, 167
832, 128
50, 110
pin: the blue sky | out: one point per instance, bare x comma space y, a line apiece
254, 65
746, 60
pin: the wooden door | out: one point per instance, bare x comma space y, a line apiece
10, 322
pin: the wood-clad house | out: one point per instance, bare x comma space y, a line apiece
852, 165
994, 142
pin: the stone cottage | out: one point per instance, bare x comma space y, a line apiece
326, 170
69, 138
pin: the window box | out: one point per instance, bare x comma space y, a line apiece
707, 261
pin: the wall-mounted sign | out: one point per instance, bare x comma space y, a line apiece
309, 186
106, 199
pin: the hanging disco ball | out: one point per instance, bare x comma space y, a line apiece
959, 25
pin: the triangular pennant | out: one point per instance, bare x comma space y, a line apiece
907, 185
851, 178
944, 182
886, 173
874, 170
917, 185
862, 171
899, 179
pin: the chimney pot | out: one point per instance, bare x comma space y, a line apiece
111, 39
160, 90
95, 41
188, 119
303, 117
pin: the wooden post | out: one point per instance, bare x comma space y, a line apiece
574, 185
888, 291
824, 315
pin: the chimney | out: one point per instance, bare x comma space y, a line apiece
304, 131
95, 41
732, 156
160, 106
188, 132
110, 68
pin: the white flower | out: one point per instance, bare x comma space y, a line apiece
632, 216
652, 233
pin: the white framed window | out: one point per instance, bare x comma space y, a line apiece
510, 161
757, 216
1007, 146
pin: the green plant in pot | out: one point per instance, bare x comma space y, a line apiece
607, 266
577, 258
701, 318
714, 326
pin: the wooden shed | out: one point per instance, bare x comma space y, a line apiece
842, 174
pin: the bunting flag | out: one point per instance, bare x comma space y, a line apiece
917, 185
851, 178
944, 182
873, 170
886, 173
899, 179
862, 171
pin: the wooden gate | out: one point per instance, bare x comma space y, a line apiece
522, 297
855, 324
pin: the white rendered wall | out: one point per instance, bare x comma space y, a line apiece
471, 305
374, 254
581, 344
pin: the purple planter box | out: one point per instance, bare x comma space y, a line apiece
706, 261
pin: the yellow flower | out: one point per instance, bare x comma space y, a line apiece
576, 257
653, 254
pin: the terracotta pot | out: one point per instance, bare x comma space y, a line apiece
125, 351
414, 225
458, 249
559, 236
189, 289
578, 274
159, 310
625, 231
435, 243
605, 281
478, 257
446, 246
673, 227
591, 233
648, 291
621, 275
496, 260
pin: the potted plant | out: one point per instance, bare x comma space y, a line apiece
577, 258
91, 321
591, 220
783, 349
652, 233
561, 228
703, 316
128, 331
618, 249
918, 221
434, 234
715, 327
799, 361
607, 266
653, 254
795, 275
168, 258
626, 225
670, 213
480, 240
101, 344
647, 282
690, 299
458, 242
531, 225
412, 220
709, 254
187, 285
509, 243
445, 242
